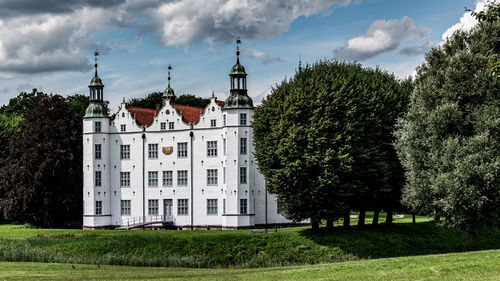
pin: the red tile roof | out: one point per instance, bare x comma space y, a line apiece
143, 116
190, 114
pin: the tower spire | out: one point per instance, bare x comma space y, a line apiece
169, 68
96, 53
238, 42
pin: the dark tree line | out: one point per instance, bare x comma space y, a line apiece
41, 163
156, 98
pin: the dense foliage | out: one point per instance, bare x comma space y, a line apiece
41, 178
156, 98
449, 141
323, 141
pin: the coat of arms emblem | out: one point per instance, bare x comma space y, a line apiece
167, 150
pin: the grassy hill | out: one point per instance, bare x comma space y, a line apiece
484, 265
241, 248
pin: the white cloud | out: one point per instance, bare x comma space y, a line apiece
54, 35
382, 36
264, 57
467, 21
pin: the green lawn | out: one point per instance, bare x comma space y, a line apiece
240, 248
483, 265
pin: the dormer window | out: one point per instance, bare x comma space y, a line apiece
213, 123
123, 128
163, 126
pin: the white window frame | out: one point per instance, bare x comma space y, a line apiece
97, 126
163, 126
212, 208
182, 178
168, 178
125, 151
213, 123
212, 176
243, 175
98, 151
125, 207
153, 207
98, 207
124, 179
152, 178
243, 206
152, 151
243, 119
171, 125
98, 178
243, 146
211, 148
123, 128
182, 149
182, 207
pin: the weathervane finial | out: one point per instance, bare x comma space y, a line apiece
169, 68
96, 53
238, 42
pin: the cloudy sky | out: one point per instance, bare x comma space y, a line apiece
49, 44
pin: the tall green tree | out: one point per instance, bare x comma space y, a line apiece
449, 141
78, 103
322, 140
41, 178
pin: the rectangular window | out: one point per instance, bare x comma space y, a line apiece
97, 151
243, 174
182, 178
212, 207
243, 146
153, 151
123, 128
98, 179
212, 177
213, 123
125, 206
125, 151
224, 146
211, 148
170, 125
153, 178
124, 179
153, 207
182, 150
97, 126
224, 205
224, 119
243, 206
224, 175
182, 207
243, 119
98, 207
163, 126
168, 178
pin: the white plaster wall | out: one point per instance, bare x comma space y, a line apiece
111, 193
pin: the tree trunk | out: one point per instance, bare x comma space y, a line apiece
413, 219
314, 225
437, 218
362, 216
388, 218
376, 214
347, 219
329, 224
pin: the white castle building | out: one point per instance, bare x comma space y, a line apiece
179, 166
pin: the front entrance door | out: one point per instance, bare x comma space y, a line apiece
167, 207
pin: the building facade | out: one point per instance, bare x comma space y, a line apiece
178, 165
